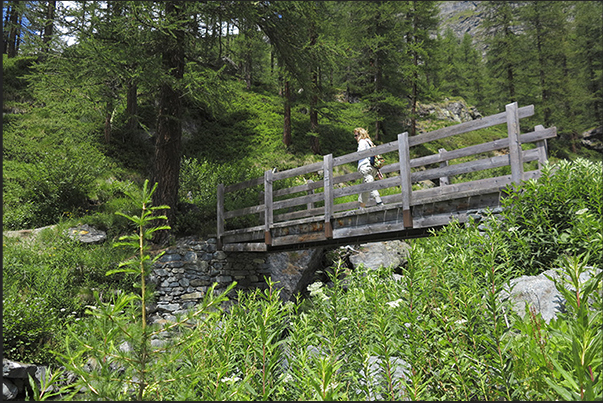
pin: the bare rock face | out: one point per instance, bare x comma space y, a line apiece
377, 254
453, 110
293, 270
593, 139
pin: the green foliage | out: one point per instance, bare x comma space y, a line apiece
438, 331
198, 185
557, 214
46, 284
561, 360
14, 86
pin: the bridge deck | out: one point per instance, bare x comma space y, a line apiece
293, 212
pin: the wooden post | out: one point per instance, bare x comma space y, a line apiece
515, 153
444, 180
220, 215
310, 205
268, 216
261, 215
542, 149
328, 193
405, 183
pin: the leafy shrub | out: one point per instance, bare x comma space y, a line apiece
45, 285
57, 184
559, 213
198, 185
14, 87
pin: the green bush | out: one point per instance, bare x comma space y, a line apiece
560, 213
46, 283
54, 187
198, 185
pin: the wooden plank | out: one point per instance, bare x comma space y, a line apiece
306, 187
245, 247
354, 157
302, 221
268, 207
316, 211
310, 206
460, 128
465, 189
303, 170
443, 179
296, 239
471, 166
366, 187
220, 214
515, 153
369, 229
298, 201
244, 211
542, 148
328, 193
246, 237
481, 148
243, 185
405, 175
244, 230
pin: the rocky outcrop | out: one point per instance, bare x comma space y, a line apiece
27, 234
15, 378
451, 110
293, 270
539, 293
593, 139
377, 254
87, 234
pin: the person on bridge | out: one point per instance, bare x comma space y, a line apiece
365, 168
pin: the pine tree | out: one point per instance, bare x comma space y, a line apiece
423, 21
586, 62
503, 50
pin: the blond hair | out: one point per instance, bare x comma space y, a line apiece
362, 132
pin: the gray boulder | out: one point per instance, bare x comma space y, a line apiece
87, 234
10, 391
15, 378
377, 254
540, 293
593, 139
293, 270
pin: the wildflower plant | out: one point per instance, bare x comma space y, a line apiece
116, 354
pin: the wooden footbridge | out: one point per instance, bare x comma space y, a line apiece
291, 212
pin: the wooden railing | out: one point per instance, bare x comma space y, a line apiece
320, 201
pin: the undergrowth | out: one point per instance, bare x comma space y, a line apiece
438, 330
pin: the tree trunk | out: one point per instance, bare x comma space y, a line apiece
541, 70
169, 126
49, 25
14, 32
314, 141
132, 105
287, 117
108, 114
415, 61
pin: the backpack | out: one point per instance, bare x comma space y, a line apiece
376, 161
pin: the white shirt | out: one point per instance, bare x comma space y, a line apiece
363, 144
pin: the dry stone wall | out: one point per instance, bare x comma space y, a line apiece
186, 271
